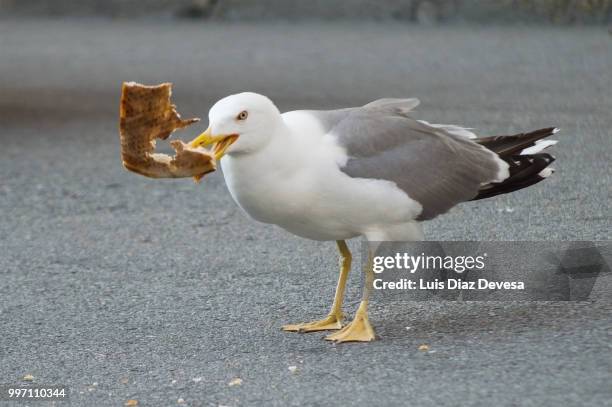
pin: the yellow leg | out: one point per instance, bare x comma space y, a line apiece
334, 318
359, 330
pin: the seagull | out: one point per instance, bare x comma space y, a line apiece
373, 171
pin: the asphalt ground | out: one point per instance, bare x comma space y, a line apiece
122, 287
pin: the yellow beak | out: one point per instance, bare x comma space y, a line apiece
221, 142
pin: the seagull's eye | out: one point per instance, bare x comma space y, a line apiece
242, 115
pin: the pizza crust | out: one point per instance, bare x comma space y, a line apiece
147, 114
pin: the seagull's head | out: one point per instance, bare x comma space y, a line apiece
239, 124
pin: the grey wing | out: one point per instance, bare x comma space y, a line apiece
399, 106
434, 165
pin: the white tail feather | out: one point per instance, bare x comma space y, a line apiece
546, 172
538, 146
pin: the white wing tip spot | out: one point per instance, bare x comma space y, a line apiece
546, 172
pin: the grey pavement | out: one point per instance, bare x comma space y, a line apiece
122, 287
564, 12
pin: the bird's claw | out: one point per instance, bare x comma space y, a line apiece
329, 323
359, 330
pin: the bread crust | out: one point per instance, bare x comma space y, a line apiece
147, 114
